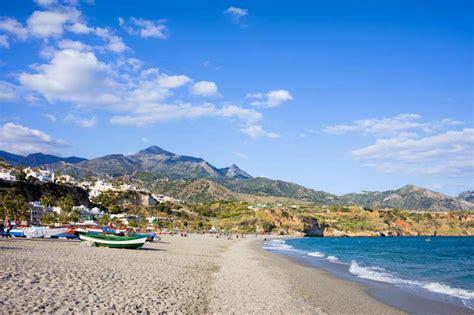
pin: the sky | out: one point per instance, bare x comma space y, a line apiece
340, 96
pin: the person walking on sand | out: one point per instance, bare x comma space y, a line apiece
2, 229
8, 227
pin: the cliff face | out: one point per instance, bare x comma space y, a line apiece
33, 191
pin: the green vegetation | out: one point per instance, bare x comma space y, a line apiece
13, 205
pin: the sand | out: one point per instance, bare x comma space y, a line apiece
195, 274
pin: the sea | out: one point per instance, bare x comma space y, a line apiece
437, 269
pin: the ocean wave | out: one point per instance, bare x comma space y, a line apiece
316, 254
381, 275
277, 245
332, 258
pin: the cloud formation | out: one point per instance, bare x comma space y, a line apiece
406, 144
271, 99
204, 88
145, 28
23, 140
236, 13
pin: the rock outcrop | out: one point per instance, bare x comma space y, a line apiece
312, 228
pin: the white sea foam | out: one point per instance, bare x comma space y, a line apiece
316, 254
332, 258
381, 275
277, 245
446, 289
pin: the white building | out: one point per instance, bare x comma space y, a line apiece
6, 175
99, 187
42, 175
127, 187
163, 198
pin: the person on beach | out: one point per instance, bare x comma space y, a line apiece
8, 227
2, 229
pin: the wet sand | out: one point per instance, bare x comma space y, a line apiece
196, 274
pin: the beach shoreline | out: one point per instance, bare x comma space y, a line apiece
386, 293
195, 274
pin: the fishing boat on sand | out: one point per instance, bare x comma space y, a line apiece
114, 241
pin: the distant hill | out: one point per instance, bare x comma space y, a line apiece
467, 196
37, 159
194, 179
408, 197
261, 186
153, 160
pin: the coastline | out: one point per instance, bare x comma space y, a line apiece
194, 274
386, 293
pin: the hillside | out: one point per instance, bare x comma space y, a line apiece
194, 179
408, 197
261, 186
153, 162
37, 159
467, 196
32, 191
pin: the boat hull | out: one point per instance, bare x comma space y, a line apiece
114, 242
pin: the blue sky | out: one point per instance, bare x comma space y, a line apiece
341, 96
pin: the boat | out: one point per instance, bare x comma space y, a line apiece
114, 241
68, 233
15, 232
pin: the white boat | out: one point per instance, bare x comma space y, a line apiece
44, 231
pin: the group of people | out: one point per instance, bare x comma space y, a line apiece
5, 229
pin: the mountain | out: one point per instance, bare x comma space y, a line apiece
155, 161
234, 172
467, 196
37, 159
408, 197
261, 186
10, 157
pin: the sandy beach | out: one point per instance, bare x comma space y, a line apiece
195, 274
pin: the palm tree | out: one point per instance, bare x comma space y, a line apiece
66, 204
46, 200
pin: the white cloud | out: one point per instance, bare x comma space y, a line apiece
8, 91
236, 13
270, 99
23, 140
406, 144
137, 96
404, 124
145, 140
50, 23
114, 43
204, 88
147, 114
4, 41
257, 131
172, 81
13, 27
72, 44
45, 3
145, 28
257, 95
51, 117
450, 153
81, 122
241, 155
72, 76
80, 28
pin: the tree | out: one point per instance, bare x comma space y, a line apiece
66, 204
49, 218
12, 204
267, 227
46, 200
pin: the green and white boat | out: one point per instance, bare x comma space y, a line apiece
114, 241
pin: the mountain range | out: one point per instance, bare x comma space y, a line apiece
36, 159
194, 179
